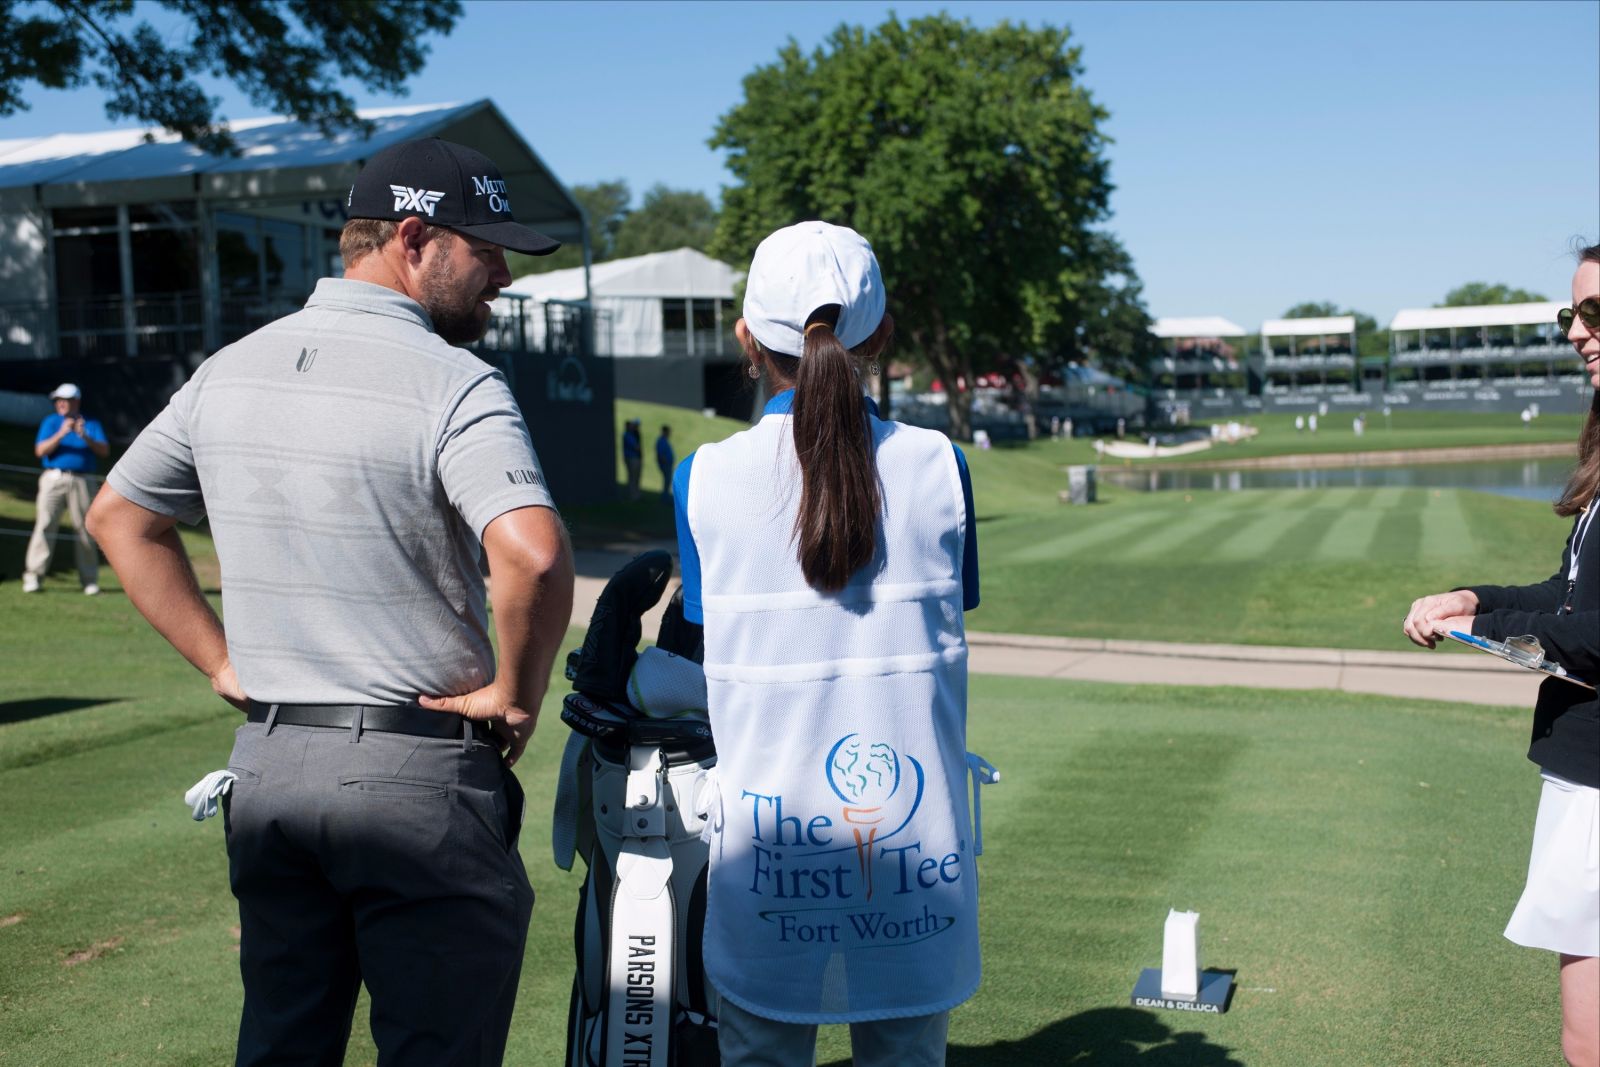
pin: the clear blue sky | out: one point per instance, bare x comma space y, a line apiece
1371, 154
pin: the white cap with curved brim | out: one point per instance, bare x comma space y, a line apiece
806, 266
66, 391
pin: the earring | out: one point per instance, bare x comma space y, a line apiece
872, 368
754, 372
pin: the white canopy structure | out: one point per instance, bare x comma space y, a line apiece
279, 159
635, 297
1470, 318
1308, 327
1202, 326
136, 243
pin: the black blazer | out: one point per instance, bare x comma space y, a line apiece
1566, 720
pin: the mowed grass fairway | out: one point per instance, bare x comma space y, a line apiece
1319, 567
1353, 859
1310, 567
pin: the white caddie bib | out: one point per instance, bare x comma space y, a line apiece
842, 883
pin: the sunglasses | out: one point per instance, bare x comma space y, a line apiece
1587, 310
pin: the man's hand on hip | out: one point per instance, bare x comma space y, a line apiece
512, 724
225, 683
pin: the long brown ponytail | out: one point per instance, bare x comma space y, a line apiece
837, 526
1583, 488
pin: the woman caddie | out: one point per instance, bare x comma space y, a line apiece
1560, 907
830, 555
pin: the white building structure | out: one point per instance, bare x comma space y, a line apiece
135, 243
666, 318
128, 256
1203, 367
677, 303
1313, 355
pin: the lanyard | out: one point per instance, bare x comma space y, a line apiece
1585, 521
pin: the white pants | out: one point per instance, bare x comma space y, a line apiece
747, 1040
62, 491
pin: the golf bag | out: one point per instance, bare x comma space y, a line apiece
626, 802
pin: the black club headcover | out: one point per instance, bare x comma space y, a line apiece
678, 635
601, 667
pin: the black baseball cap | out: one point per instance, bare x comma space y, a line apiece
448, 185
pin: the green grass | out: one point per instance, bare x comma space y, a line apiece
1353, 859
1406, 430
1316, 567
1321, 567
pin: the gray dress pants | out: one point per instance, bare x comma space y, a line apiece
379, 858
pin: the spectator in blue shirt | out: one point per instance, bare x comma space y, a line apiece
70, 448
632, 456
664, 458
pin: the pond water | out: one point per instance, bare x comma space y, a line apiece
1530, 479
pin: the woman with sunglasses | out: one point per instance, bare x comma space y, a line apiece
1560, 907
830, 554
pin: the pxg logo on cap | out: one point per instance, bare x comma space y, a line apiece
450, 185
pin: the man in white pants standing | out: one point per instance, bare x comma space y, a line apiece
70, 447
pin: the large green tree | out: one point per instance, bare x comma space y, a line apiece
1101, 318
286, 55
605, 205
1476, 294
970, 158
665, 220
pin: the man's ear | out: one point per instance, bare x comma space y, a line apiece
412, 235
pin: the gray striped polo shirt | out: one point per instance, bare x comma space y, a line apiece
348, 460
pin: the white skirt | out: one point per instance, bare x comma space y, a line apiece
1560, 907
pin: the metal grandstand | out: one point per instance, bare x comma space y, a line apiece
1498, 358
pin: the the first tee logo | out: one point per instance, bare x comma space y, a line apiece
855, 872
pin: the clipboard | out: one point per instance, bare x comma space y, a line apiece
1525, 652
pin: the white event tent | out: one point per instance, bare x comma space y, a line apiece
1204, 326
1474, 318
661, 304
1319, 328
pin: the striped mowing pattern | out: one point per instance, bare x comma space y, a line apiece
1316, 525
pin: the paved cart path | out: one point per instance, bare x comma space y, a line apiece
1401, 673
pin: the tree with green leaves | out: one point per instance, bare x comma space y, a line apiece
286, 55
1477, 294
971, 158
605, 205
1101, 318
665, 220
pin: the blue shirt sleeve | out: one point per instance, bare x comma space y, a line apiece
93, 431
688, 553
969, 551
47, 428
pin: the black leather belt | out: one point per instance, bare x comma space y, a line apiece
385, 718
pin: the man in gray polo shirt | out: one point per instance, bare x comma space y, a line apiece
351, 463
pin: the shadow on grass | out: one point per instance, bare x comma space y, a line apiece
1103, 1037
22, 710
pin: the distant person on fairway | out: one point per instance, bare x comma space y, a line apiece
664, 459
632, 456
351, 462
1560, 907
830, 555
70, 448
